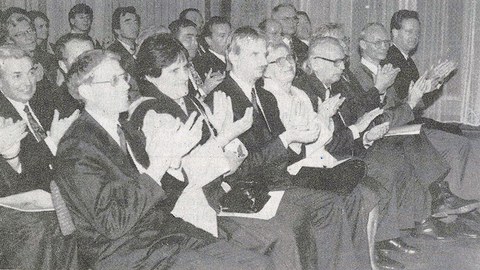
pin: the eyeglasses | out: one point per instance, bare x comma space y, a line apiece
380, 43
25, 34
116, 79
282, 61
336, 62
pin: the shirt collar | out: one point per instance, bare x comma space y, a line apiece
108, 124
371, 66
406, 56
246, 88
219, 56
19, 106
127, 47
288, 41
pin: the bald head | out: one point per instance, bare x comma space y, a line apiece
374, 42
326, 59
286, 14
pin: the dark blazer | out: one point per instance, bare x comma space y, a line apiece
119, 213
408, 70
127, 61
35, 157
266, 152
203, 63
342, 144
397, 112
300, 50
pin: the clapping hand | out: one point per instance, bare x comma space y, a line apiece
331, 105
11, 133
60, 126
212, 79
222, 119
298, 125
364, 121
385, 77
377, 132
417, 90
438, 73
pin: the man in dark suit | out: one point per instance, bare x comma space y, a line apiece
446, 138
125, 27
185, 32
80, 18
271, 148
30, 239
196, 17
286, 14
120, 214
216, 34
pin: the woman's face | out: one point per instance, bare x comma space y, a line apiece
174, 79
281, 65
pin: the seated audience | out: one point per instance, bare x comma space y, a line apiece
117, 206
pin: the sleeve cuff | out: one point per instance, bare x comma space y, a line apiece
366, 142
296, 147
355, 132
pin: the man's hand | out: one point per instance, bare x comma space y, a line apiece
326, 126
60, 126
223, 120
10, 136
385, 77
212, 79
438, 73
417, 90
364, 121
377, 132
331, 105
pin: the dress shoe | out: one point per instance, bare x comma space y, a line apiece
459, 229
384, 262
427, 229
446, 203
397, 245
471, 219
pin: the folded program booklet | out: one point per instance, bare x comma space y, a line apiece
404, 130
37, 200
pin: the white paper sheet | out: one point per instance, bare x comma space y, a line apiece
31, 201
404, 130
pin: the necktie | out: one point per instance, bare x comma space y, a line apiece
123, 142
195, 76
37, 129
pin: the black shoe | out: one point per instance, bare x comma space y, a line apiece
397, 245
459, 229
446, 203
384, 262
427, 229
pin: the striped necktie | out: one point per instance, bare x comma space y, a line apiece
37, 129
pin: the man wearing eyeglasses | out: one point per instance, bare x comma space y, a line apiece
286, 14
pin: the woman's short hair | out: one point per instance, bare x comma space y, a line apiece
158, 52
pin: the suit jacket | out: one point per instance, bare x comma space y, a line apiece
300, 50
203, 63
396, 111
35, 157
127, 61
408, 70
119, 214
266, 153
342, 144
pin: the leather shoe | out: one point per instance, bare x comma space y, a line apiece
397, 245
427, 229
446, 203
384, 262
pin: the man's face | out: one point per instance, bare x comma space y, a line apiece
17, 80
218, 40
188, 37
174, 79
273, 31
304, 28
407, 37
251, 62
376, 44
81, 22
23, 35
288, 19
325, 69
41, 27
281, 65
196, 18
129, 26
104, 95
73, 49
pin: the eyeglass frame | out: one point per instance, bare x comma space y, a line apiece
335, 62
379, 43
279, 60
112, 81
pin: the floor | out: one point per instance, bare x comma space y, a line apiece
450, 254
